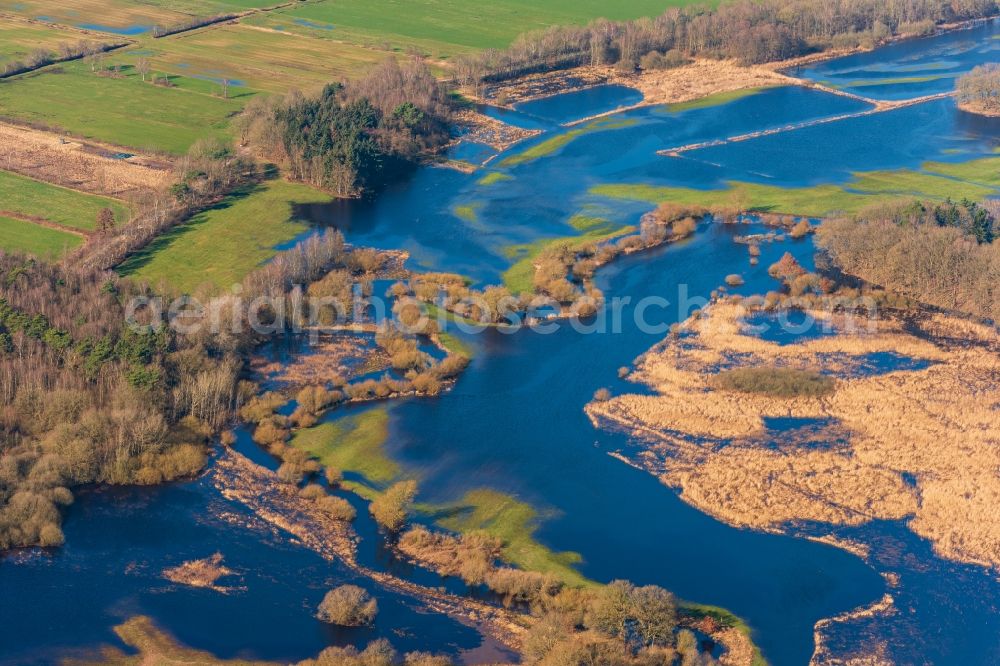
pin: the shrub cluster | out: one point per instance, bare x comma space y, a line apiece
357, 136
777, 382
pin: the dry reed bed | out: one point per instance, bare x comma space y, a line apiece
700, 78
82, 166
333, 356
202, 573
491, 132
920, 445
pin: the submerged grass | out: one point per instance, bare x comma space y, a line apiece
353, 444
542, 149
520, 276
467, 212
973, 180
514, 523
154, 646
494, 177
718, 99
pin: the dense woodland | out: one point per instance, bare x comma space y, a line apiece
942, 255
356, 136
750, 31
84, 398
979, 90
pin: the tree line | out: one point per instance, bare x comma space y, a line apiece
65, 52
749, 31
353, 137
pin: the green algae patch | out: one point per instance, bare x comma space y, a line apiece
493, 178
354, 445
520, 276
718, 99
513, 522
975, 180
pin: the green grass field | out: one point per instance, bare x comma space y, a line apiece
32, 198
261, 60
123, 111
445, 28
112, 14
43, 242
218, 247
974, 180
19, 38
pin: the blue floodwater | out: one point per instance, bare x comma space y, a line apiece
514, 422
911, 68
135, 29
572, 106
312, 24
515, 118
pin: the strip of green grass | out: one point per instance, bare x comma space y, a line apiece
123, 111
43, 242
823, 200
353, 445
725, 619
494, 177
542, 149
514, 523
718, 99
33, 198
219, 246
520, 276
455, 344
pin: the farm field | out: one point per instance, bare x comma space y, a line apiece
24, 197
120, 17
219, 246
19, 38
123, 111
259, 59
447, 27
44, 242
